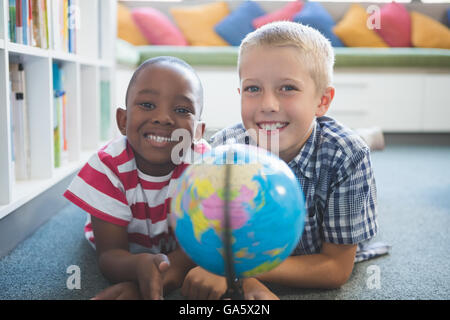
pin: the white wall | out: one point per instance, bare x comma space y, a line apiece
222, 100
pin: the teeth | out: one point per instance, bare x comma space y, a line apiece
157, 138
272, 126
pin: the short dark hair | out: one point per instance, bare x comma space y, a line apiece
168, 60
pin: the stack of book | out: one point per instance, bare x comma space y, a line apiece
29, 23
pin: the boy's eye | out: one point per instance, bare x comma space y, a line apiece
288, 88
182, 110
251, 89
147, 105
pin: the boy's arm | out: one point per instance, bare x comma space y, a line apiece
118, 265
329, 269
180, 265
349, 218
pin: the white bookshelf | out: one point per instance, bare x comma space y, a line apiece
93, 62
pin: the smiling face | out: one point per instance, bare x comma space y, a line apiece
278, 96
162, 98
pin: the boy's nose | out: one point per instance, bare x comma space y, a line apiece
162, 117
269, 103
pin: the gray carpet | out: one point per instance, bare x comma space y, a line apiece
414, 217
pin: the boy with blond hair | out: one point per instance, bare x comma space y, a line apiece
286, 74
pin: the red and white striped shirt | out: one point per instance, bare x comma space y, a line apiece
112, 188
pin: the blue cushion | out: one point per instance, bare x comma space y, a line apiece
448, 17
238, 24
316, 16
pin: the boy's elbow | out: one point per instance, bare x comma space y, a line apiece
338, 281
340, 278
340, 263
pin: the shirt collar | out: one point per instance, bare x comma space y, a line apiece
301, 160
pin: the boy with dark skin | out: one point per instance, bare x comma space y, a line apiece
164, 95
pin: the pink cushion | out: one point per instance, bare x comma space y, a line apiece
395, 23
157, 28
285, 13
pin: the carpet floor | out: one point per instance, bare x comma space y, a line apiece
413, 183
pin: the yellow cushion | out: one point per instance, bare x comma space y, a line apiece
353, 31
428, 33
197, 23
126, 28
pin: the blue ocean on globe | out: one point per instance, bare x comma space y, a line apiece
266, 210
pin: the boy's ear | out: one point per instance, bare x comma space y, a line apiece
325, 102
121, 119
199, 130
239, 90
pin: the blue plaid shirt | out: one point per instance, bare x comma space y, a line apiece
334, 170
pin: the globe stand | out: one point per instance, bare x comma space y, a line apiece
234, 290
234, 285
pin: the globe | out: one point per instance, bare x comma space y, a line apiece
265, 204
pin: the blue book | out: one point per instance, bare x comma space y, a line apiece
56, 114
58, 110
56, 79
25, 21
71, 20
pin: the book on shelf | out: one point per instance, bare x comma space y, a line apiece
105, 110
12, 20
65, 19
12, 129
59, 117
18, 30
20, 121
30, 35
101, 6
73, 20
27, 21
24, 10
39, 23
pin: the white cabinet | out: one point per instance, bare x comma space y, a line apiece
397, 100
436, 103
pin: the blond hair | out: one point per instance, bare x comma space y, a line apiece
311, 44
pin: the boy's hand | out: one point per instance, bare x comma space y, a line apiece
121, 291
150, 273
255, 290
203, 285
